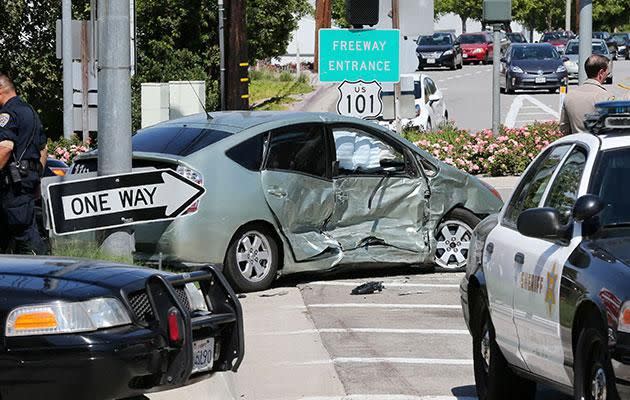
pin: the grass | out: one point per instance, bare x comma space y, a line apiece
272, 91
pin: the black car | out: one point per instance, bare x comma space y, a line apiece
610, 42
546, 294
439, 50
84, 329
516, 37
532, 66
622, 40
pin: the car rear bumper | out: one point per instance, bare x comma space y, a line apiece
131, 360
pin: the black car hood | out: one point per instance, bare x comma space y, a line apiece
426, 48
617, 247
536, 65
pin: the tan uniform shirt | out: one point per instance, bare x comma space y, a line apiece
579, 102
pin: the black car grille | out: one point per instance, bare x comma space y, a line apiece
543, 73
141, 305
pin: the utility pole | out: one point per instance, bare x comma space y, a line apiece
496, 92
114, 101
222, 51
586, 36
323, 20
237, 62
66, 55
396, 25
567, 16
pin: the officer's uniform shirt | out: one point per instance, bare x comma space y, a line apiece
18, 121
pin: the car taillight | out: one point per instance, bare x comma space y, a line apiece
59, 171
194, 176
175, 334
492, 190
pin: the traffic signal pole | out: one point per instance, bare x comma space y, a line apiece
496, 91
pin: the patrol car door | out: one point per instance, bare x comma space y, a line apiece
541, 262
502, 267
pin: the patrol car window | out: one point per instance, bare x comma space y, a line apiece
611, 185
249, 153
564, 189
176, 140
532, 187
300, 149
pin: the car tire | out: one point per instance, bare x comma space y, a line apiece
454, 66
494, 379
420, 68
453, 240
461, 63
244, 253
429, 125
594, 377
508, 87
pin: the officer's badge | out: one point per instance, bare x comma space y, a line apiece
4, 119
550, 296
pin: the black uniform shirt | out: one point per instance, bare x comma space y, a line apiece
18, 122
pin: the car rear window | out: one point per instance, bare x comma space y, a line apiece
176, 140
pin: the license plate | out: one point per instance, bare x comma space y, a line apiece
541, 79
430, 60
203, 355
465, 55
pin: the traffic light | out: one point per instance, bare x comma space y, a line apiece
362, 12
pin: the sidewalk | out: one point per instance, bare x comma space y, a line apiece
505, 185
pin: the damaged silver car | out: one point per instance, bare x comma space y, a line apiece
291, 192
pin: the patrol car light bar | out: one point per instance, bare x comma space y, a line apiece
610, 115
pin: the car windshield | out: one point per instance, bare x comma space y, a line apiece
472, 39
620, 38
175, 140
550, 36
574, 48
435, 40
516, 37
611, 184
534, 53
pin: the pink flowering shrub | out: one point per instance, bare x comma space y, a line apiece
67, 150
509, 153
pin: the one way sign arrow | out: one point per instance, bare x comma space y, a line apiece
120, 200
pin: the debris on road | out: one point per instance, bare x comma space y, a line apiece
368, 288
410, 293
282, 293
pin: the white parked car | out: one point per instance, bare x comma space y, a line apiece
430, 104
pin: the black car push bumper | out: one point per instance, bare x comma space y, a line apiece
146, 356
621, 364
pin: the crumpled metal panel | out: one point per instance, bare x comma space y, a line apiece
302, 204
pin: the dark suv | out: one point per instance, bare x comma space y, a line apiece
441, 49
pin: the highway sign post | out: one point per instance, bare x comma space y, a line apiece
119, 200
360, 99
359, 54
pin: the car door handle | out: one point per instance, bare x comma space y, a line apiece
519, 258
490, 248
277, 192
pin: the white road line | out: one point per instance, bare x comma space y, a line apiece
369, 330
386, 360
457, 76
386, 397
515, 107
479, 72
532, 113
543, 106
391, 306
387, 284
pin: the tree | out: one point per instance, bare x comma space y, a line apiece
611, 15
541, 15
465, 9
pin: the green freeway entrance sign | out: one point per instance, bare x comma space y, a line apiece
361, 54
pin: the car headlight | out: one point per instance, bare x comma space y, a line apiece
516, 69
561, 69
447, 52
477, 51
624, 318
63, 317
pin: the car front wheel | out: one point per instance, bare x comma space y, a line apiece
453, 240
251, 262
594, 377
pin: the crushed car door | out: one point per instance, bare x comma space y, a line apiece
298, 188
380, 198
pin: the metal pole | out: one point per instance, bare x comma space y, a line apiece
586, 36
85, 83
222, 51
567, 16
114, 102
66, 54
397, 91
496, 93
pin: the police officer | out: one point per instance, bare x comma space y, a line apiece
22, 159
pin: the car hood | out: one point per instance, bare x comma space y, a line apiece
474, 46
573, 57
535, 65
427, 49
617, 247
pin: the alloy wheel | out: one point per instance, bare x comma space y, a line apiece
598, 384
253, 256
453, 240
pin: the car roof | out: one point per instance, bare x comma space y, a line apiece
531, 45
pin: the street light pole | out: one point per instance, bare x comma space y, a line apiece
586, 36
496, 92
567, 16
222, 51
114, 102
66, 55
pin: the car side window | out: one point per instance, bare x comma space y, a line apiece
564, 189
432, 88
298, 148
249, 153
361, 153
532, 187
427, 92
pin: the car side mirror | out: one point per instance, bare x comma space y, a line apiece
392, 165
542, 223
587, 206
435, 97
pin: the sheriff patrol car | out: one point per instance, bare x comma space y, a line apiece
546, 294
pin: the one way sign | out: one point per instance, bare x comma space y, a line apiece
119, 200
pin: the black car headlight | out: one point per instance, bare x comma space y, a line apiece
64, 317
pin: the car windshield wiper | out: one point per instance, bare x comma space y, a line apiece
617, 225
